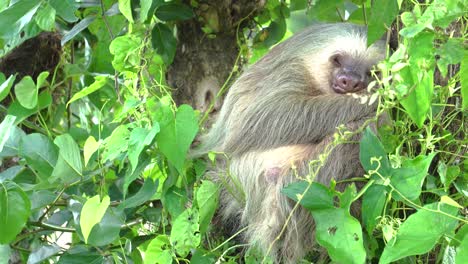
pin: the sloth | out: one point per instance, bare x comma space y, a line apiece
278, 116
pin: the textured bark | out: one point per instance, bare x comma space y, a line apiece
203, 63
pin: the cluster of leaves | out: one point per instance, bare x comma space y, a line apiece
94, 155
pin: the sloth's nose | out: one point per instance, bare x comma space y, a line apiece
349, 82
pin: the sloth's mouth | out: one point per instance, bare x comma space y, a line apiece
338, 89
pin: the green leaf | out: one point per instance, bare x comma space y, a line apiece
21, 113
90, 146
5, 253
174, 11
126, 51
26, 92
409, 178
40, 154
164, 42
11, 146
17, 16
91, 214
371, 147
464, 81
132, 175
185, 234
5, 128
373, 203
450, 52
317, 196
275, 32
65, 9
99, 82
158, 251
41, 79
143, 195
69, 167
462, 252
43, 253
327, 10
45, 17
419, 75
207, 201
382, 15
71, 257
420, 232
107, 230
6, 86
139, 138
175, 138
340, 234
147, 8
116, 143
15, 209
125, 7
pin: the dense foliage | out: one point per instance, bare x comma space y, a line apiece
94, 165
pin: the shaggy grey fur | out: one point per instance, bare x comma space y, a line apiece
279, 115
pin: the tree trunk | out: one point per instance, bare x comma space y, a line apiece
204, 61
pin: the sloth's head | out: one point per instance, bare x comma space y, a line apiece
338, 58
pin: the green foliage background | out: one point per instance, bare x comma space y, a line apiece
95, 152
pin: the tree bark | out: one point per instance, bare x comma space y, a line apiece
204, 61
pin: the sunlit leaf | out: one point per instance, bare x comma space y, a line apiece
420, 232
6, 86
99, 82
26, 92
207, 202
125, 7
65, 9
91, 214
90, 146
5, 128
185, 233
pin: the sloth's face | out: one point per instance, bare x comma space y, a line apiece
348, 74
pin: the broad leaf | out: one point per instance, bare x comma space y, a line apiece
174, 11
185, 234
69, 167
164, 42
17, 16
26, 92
207, 197
125, 7
5, 129
381, 18
99, 82
6, 86
158, 251
139, 138
464, 80
371, 147
45, 18
40, 154
90, 146
143, 195
409, 178
340, 234
15, 209
65, 9
373, 203
175, 138
91, 214
317, 196
420, 232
